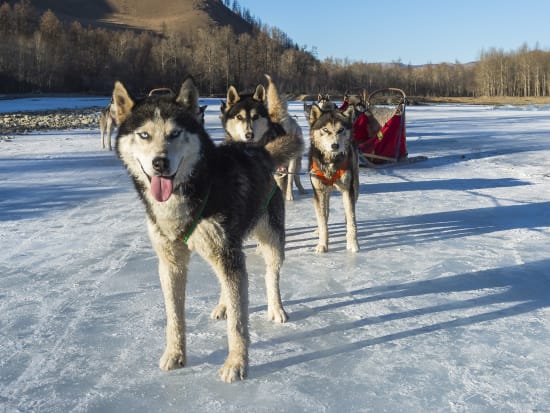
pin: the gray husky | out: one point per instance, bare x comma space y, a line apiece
204, 198
333, 163
107, 123
261, 118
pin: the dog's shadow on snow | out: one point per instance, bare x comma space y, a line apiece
424, 228
510, 291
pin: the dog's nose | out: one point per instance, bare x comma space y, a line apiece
335, 146
249, 136
161, 164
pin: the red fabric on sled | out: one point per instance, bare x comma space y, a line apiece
385, 142
360, 129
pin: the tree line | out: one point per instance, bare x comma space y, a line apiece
41, 53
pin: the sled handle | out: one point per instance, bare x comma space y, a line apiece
389, 89
161, 91
400, 105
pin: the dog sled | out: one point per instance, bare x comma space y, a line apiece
380, 131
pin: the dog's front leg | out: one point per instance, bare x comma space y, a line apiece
321, 196
109, 132
173, 263
351, 222
271, 243
290, 179
101, 133
231, 271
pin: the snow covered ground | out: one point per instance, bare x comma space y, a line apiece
444, 309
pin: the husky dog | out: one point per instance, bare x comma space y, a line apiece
333, 164
204, 198
107, 123
246, 118
278, 113
323, 101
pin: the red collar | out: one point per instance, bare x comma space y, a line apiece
329, 181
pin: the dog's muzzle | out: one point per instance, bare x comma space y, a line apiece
162, 184
161, 165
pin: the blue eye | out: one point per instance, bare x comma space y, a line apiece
174, 134
143, 135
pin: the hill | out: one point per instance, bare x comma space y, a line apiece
184, 15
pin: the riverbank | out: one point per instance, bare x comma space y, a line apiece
58, 119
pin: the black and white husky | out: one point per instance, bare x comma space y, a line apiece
261, 118
204, 198
333, 163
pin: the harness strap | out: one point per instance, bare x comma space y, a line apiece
270, 196
326, 180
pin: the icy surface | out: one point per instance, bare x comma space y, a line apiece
444, 309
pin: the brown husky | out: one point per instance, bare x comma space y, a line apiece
333, 163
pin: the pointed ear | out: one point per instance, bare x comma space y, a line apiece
314, 113
349, 112
188, 96
259, 94
122, 102
232, 96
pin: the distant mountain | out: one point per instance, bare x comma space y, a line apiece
181, 15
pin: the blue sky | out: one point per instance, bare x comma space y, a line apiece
413, 31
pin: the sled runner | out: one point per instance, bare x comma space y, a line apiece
380, 132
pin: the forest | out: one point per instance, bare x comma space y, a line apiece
42, 54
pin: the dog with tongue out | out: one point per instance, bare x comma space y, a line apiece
207, 198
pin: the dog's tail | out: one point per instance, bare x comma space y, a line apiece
284, 148
289, 143
276, 107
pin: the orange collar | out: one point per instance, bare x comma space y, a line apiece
329, 181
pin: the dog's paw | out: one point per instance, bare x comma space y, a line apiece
234, 368
277, 315
171, 360
219, 312
321, 249
353, 246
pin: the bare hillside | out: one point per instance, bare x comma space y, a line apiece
182, 15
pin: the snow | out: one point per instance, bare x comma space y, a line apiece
444, 309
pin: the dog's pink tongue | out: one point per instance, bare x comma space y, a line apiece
161, 188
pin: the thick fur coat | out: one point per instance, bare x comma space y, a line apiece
333, 163
204, 198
